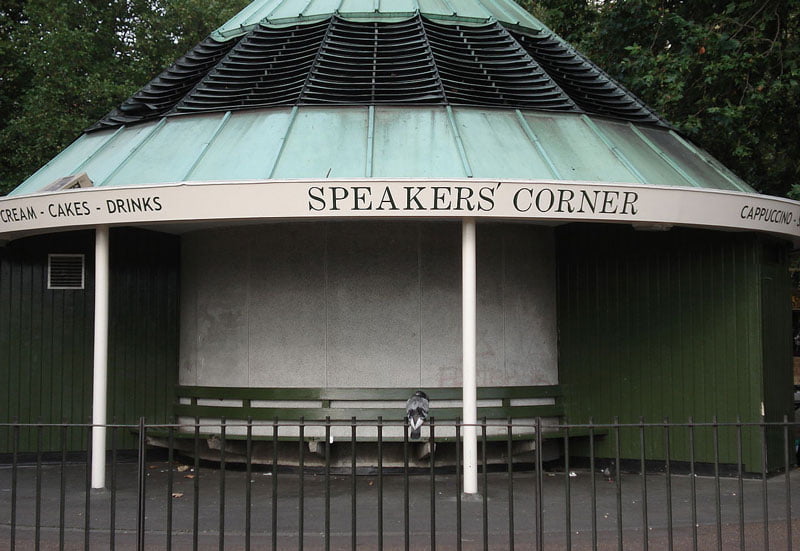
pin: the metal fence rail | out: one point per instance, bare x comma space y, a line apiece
246, 486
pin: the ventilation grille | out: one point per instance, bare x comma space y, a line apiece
369, 63
591, 88
268, 67
65, 271
486, 66
411, 62
168, 88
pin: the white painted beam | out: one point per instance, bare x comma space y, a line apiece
99, 382
469, 337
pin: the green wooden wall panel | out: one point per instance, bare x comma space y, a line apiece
46, 336
5, 348
143, 331
777, 353
667, 325
37, 344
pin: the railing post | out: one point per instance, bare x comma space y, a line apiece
787, 478
432, 440
14, 476
510, 467
140, 497
170, 478
222, 444
353, 512
327, 483
112, 529
274, 517
62, 491
380, 483
406, 518
539, 484
301, 443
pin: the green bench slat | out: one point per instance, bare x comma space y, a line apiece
547, 435
388, 414
450, 393
549, 432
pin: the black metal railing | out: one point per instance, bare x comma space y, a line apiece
364, 484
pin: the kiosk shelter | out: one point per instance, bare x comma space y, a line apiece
325, 206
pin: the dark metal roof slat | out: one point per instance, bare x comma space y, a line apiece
419, 60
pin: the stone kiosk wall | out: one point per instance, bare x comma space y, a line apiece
364, 304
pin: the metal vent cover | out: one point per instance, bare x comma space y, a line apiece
589, 86
163, 92
411, 62
65, 271
486, 66
268, 67
373, 63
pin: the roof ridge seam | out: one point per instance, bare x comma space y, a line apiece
432, 57
178, 104
317, 56
544, 72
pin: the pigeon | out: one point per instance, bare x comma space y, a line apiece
417, 412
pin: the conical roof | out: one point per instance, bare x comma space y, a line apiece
269, 56
371, 88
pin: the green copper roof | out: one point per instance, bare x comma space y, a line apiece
385, 142
289, 12
378, 88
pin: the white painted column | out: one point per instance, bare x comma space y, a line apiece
99, 383
469, 337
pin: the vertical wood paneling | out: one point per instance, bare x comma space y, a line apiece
46, 335
5, 349
669, 325
777, 352
143, 334
43, 379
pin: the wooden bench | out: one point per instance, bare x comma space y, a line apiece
287, 416
498, 405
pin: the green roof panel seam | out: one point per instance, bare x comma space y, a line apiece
370, 141
537, 144
156, 127
508, 16
206, 145
705, 157
20, 190
284, 139
489, 15
449, 6
682, 173
614, 149
461, 151
102, 147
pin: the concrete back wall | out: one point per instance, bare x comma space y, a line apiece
364, 304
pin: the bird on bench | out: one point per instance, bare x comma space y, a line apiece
417, 412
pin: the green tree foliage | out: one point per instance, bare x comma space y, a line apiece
63, 65
725, 73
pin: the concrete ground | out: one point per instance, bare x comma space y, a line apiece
716, 527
